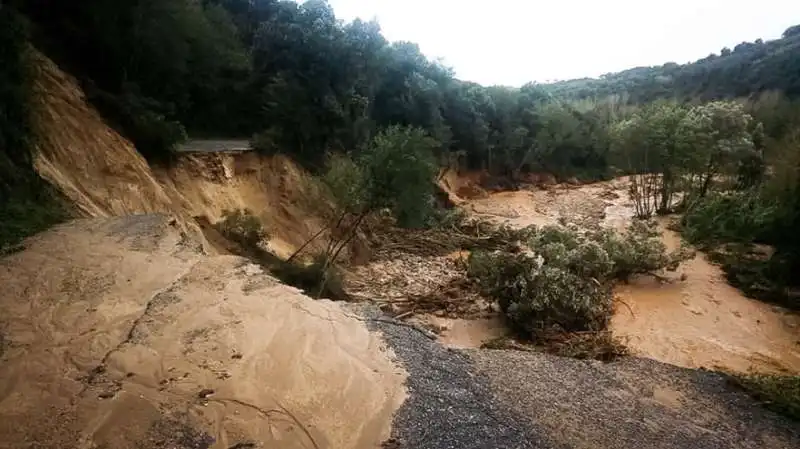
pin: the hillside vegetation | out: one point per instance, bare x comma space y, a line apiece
27, 204
751, 67
303, 83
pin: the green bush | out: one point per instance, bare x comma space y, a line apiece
242, 227
740, 217
731, 225
561, 278
399, 168
639, 251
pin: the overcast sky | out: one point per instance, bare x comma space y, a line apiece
512, 42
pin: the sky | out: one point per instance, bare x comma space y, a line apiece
511, 42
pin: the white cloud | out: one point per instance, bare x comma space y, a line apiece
514, 41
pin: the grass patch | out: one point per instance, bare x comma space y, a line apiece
780, 394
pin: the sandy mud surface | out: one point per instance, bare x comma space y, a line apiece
118, 333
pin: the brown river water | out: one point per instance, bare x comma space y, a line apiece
701, 321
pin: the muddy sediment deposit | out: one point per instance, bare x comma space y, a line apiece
119, 333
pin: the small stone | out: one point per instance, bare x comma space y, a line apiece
106, 395
205, 393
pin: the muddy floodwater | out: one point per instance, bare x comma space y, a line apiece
700, 321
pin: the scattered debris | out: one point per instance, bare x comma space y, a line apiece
247, 445
601, 346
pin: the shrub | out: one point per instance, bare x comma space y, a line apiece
561, 278
741, 217
242, 227
639, 251
556, 298
399, 168
266, 142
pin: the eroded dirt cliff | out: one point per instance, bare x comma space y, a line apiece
97, 169
103, 175
279, 192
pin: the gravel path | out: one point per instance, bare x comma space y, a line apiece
510, 399
633, 403
449, 405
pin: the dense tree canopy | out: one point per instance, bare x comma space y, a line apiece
300, 79
307, 83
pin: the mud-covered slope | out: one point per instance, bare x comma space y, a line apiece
118, 333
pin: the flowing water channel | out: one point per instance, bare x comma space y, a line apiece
695, 320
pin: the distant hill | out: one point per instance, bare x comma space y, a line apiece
749, 68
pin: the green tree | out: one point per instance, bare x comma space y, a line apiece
712, 139
395, 172
646, 144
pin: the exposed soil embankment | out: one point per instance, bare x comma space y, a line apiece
118, 333
274, 188
103, 175
97, 169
